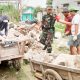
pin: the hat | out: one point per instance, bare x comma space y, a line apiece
73, 8
65, 10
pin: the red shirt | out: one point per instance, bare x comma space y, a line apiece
68, 27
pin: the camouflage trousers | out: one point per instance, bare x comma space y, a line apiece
47, 39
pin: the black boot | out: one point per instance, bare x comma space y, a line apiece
49, 50
45, 47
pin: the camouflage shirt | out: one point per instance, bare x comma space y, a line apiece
48, 21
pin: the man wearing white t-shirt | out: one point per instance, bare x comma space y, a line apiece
75, 31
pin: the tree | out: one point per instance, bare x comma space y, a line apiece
11, 11
49, 2
36, 10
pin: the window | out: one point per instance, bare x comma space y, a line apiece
78, 3
66, 5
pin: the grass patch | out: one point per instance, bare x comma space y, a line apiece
59, 27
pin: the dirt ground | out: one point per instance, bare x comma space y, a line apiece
9, 73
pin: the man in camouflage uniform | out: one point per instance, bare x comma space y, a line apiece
48, 29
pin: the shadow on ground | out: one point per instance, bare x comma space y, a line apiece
9, 73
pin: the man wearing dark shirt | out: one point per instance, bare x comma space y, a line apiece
4, 24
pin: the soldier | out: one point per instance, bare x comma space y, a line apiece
48, 29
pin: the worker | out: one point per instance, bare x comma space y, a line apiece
75, 30
68, 18
74, 40
48, 29
4, 25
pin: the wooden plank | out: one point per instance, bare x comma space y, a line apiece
13, 52
75, 76
32, 68
57, 66
21, 47
69, 76
42, 69
9, 51
11, 57
38, 75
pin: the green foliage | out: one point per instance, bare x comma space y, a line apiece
49, 2
36, 10
11, 11
60, 27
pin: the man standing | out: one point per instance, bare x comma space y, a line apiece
3, 25
68, 18
67, 21
75, 30
48, 29
74, 41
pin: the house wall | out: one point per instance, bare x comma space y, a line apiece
26, 17
60, 3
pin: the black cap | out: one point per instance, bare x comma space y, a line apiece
65, 10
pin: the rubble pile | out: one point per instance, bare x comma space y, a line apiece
72, 61
34, 49
36, 53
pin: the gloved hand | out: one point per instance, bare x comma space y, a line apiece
57, 17
5, 21
74, 37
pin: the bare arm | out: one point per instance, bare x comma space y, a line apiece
65, 22
76, 29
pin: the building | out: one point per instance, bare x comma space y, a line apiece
27, 14
65, 3
59, 4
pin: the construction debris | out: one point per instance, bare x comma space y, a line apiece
36, 53
34, 49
